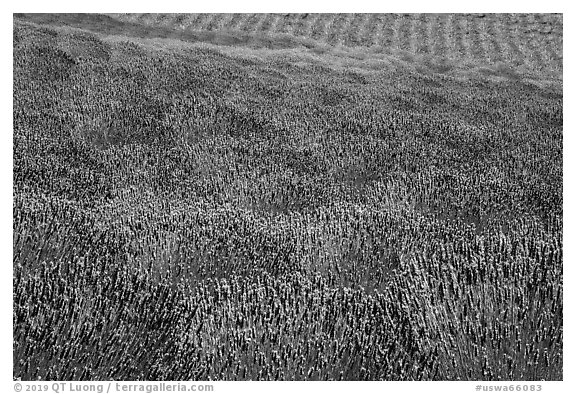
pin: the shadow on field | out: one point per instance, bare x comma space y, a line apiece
338, 57
104, 24
500, 70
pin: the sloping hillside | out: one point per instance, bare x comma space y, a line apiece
189, 208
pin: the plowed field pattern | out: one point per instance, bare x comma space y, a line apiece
533, 40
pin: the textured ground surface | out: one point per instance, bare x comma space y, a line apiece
288, 197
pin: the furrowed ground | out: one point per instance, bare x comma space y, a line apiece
320, 197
